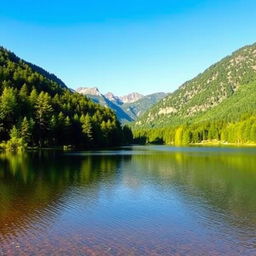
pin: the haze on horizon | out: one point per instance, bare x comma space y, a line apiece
125, 46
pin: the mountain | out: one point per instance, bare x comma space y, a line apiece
38, 110
137, 108
108, 100
132, 97
206, 91
223, 93
12, 58
89, 91
115, 99
127, 108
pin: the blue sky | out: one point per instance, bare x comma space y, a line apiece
123, 46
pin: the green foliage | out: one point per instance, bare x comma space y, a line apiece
15, 143
217, 105
225, 90
237, 132
14, 133
87, 129
127, 135
43, 112
26, 130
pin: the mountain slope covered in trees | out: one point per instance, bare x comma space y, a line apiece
219, 104
37, 109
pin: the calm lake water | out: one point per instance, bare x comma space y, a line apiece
154, 200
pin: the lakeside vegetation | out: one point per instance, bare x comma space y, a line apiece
217, 106
217, 132
38, 110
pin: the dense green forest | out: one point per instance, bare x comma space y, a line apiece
217, 105
38, 110
239, 132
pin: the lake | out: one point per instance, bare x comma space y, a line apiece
141, 200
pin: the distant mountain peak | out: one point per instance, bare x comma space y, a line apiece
89, 91
127, 107
110, 96
132, 97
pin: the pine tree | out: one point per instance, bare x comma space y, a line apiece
67, 130
26, 131
14, 133
23, 91
33, 97
43, 112
8, 106
87, 129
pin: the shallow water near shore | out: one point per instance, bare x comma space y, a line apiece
141, 200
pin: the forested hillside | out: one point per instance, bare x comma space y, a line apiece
219, 104
37, 109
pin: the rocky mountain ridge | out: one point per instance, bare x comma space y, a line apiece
127, 107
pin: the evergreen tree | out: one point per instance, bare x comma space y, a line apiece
43, 112
87, 129
26, 131
8, 106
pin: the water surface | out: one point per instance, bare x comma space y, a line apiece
153, 200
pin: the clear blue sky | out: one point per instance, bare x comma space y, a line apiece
126, 45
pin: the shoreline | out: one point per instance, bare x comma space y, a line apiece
221, 143
203, 143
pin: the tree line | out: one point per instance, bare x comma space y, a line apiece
36, 111
242, 131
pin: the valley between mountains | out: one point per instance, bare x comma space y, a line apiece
38, 110
127, 108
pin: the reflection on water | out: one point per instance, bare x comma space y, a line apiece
133, 201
